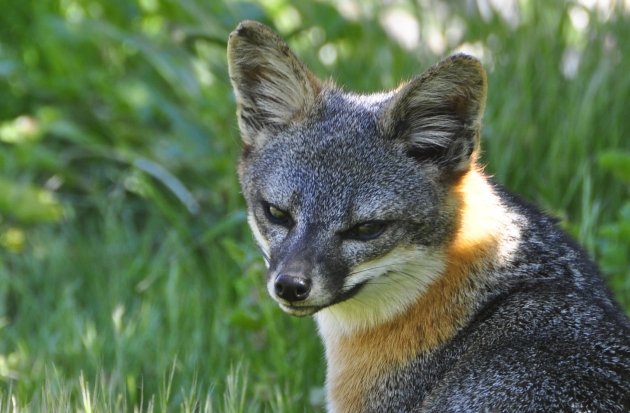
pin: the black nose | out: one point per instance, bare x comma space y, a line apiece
292, 288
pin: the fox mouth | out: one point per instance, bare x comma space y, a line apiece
295, 309
300, 310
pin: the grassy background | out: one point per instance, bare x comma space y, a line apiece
128, 278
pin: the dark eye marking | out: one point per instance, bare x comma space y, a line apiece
276, 215
365, 231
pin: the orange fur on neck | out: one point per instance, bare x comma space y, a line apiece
363, 357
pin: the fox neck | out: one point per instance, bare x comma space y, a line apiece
391, 334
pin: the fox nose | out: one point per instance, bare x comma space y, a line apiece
292, 288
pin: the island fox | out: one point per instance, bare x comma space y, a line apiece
434, 289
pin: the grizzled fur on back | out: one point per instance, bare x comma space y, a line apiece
434, 289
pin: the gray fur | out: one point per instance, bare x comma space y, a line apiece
549, 340
540, 331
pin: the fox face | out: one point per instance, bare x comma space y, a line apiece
325, 204
351, 198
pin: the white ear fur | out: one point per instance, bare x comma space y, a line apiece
272, 87
439, 113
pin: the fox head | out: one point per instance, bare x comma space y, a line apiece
350, 197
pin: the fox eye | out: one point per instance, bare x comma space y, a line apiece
276, 215
366, 231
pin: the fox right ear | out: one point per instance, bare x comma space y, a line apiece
272, 87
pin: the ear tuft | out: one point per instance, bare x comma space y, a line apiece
438, 114
272, 87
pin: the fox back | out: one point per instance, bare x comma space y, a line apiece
434, 289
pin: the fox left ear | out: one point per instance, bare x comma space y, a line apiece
272, 87
439, 113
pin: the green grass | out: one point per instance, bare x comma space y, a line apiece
128, 278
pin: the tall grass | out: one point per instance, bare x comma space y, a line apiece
128, 278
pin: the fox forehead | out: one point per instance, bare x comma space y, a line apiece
343, 171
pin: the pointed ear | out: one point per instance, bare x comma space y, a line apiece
438, 115
272, 87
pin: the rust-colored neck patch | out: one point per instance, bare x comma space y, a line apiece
356, 360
